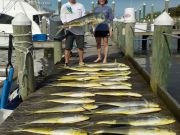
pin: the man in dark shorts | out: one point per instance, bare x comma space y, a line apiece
70, 11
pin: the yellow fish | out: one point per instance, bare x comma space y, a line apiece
119, 93
129, 110
145, 121
72, 100
74, 94
136, 131
50, 131
61, 120
68, 108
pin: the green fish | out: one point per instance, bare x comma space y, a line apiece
74, 94
68, 108
72, 100
144, 121
136, 131
130, 103
61, 120
118, 93
129, 110
50, 131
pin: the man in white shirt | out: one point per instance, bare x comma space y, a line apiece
70, 11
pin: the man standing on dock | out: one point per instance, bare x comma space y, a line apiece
70, 11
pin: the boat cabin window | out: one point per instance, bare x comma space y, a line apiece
5, 19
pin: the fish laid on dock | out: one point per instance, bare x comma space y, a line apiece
61, 120
103, 73
50, 131
74, 94
109, 83
86, 69
107, 65
78, 78
130, 103
67, 108
118, 93
140, 121
113, 87
76, 84
129, 110
72, 100
136, 131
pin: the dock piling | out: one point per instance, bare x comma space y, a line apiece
161, 51
23, 46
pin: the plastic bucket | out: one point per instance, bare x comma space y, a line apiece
129, 15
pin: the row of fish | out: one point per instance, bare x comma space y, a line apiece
110, 76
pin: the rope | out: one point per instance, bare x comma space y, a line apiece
10, 48
23, 74
22, 35
172, 35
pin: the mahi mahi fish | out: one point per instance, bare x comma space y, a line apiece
72, 100
113, 87
68, 108
130, 103
76, 84
78, 78
129, 110
109, 83
141, 121
107, 65
62, 120
86, 69
136, 131
50, 131
118, 93
104, 73
92, 19
74, 94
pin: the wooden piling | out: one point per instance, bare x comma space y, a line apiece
178, 44
92, 6
129, 39
144, 10
44, 25
139, 15
166, 5
23, 46
121, 36
152, 13
161, 52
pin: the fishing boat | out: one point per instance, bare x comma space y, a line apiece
9, 9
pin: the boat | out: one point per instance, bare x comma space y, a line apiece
9, 9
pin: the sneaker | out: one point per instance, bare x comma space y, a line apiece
81, 64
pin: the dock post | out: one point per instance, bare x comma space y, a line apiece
59, 6
140, 15
144, 10
120, 37
92, 4
166, 5
44, 25
161, 51
57, 52
23, 46
113, 7
152, 13
129, 21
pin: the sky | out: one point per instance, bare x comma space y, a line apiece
136, 4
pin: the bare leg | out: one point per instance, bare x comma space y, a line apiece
105, 40
67, 56
80, 52
98, 42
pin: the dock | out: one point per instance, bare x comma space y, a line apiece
23, 114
